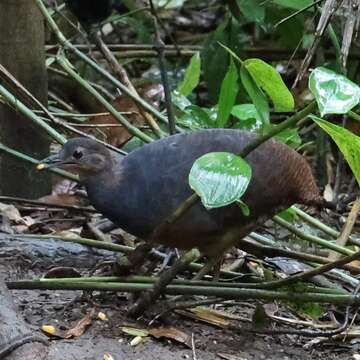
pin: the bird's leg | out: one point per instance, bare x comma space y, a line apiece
218, 249
148, 297
125, 263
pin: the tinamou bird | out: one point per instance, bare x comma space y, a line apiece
139, 191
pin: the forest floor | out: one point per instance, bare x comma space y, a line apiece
59, 309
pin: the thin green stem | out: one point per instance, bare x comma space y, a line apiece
311, 238
68, 45
31, 160
122, 120
230, 293
18, 105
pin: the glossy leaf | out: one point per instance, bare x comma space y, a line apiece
348, 143
196, 118
180, 101
228, 93
253, 10
219, 178
289, 137
192, 76
268, 79
334, 93
256, 95
248, 116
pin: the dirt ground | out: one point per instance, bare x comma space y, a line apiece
40, 307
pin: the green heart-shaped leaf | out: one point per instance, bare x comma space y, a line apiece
334, 93
219, 178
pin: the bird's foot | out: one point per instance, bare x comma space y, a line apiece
125, 264
148, 298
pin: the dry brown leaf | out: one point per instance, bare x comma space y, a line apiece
171, 333
118, 135
161, 332
64, 200
81, 325
206, 315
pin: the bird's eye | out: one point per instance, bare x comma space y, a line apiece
77, 154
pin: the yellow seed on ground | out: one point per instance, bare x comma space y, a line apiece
40, 166
49, 329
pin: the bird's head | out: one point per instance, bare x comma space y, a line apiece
81, 155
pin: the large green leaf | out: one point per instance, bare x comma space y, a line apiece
228, 93
192, 76
334, 93
219, 178
253, 10
348, 143
256, 95
271, 82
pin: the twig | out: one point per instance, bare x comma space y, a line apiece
12, 199
312, 238
56, 121
121, 72
229, 293
31, 160
131, 128
160, 47
68, 45
347, 229
323, 227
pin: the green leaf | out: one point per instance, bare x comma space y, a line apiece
192, 76
219, 178
289, 137
267, 78
334, 93
228, 93
248, 116
256, 95
196, 118
253, 10
348, 143
180, 101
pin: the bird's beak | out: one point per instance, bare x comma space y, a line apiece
50, 162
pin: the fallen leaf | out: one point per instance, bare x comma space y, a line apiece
171, 333
161, 332
62, 272
205, 315
134, 331
81, 325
